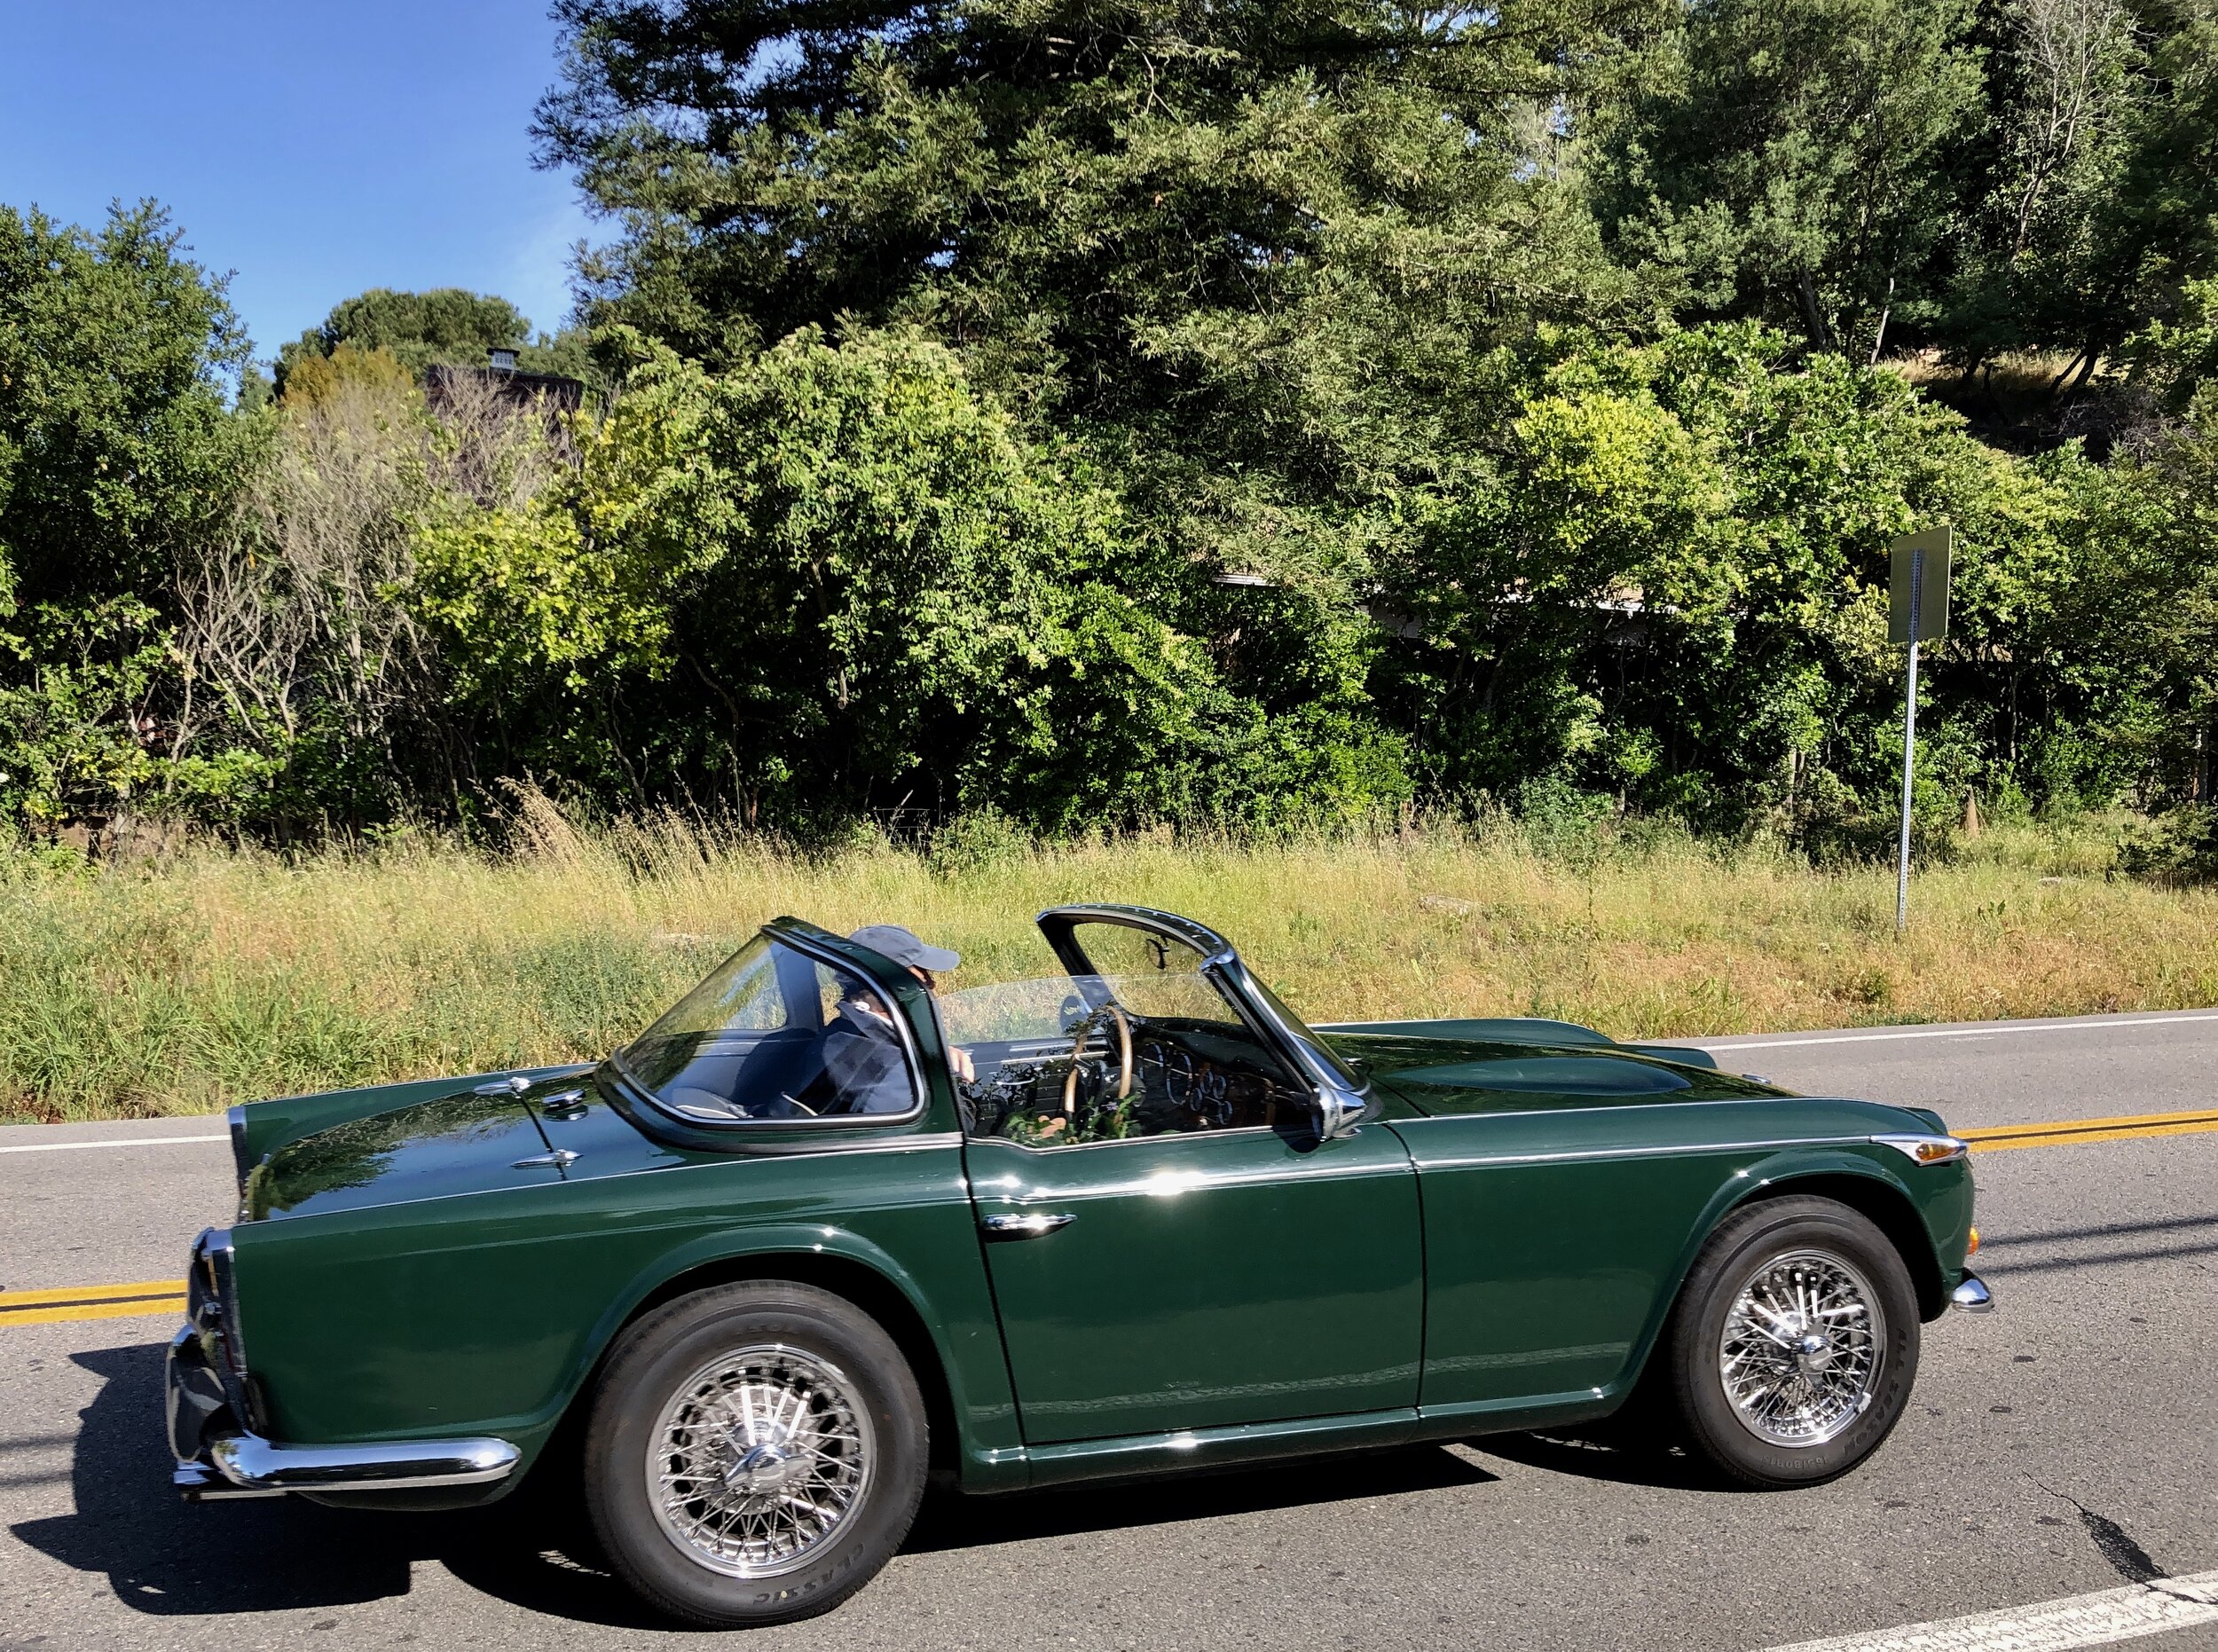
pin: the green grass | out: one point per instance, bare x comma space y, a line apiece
223, 976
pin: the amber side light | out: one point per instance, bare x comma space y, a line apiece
1973, 1249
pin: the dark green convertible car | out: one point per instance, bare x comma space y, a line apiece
1130, 1217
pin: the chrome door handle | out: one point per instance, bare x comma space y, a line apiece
1024, 1227
561, 1159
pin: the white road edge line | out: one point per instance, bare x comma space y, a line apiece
2080, 1620
1957, 1032
119, 1141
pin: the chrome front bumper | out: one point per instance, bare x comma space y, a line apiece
215, 1414
218, 1456
1972, 1296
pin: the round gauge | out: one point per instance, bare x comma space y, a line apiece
1210, 1099
1172, 1070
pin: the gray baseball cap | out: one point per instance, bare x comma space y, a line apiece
902, 946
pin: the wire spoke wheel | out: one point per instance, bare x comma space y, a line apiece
1799, 1355
758, 1459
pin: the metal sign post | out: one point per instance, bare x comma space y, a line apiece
1918, 608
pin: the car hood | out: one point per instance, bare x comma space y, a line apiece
477, 1138
1451, 1070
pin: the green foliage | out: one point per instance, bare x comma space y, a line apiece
449, 325
73, 736
1781, 161
1249, 255
118, 453
871, 590
2177, 360
350, 370
1068, 417
115, 443
1663, 579
2182, 843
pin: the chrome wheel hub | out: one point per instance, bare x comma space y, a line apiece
758, 1460
1799, 1355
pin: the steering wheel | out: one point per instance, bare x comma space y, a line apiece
1078, 1052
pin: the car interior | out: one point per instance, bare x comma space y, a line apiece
1137, 1041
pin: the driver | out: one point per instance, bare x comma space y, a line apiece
863, 1051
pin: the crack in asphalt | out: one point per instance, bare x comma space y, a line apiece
2113, 1542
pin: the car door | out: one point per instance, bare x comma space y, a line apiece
1222, 1266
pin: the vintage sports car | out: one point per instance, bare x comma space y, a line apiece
1165, 1225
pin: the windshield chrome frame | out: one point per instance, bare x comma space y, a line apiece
919, 1084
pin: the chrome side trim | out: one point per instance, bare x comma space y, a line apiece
1674, 1151
254, 1464
1972, 1296
1172, 1182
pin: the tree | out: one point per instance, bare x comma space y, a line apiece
834, 577
2060, 89
448, 326
2157, 230
1785, 161
116, 444
1249, 253
119, 454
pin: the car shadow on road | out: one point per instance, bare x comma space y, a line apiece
165, 1557
168, 1558
951, 1521
1618, 1456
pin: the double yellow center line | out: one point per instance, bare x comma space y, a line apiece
2065, 1132
91, 1301
167, 1296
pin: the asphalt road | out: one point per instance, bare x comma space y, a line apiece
2065, 1444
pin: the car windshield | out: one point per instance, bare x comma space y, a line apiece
774, 1033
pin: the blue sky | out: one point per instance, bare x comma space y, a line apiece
314, 148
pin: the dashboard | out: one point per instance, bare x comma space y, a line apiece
1187, 1077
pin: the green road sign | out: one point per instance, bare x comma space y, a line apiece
1919, 585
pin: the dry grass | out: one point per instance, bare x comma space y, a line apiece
2015, 387
224, 977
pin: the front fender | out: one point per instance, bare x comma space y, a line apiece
1939, 1212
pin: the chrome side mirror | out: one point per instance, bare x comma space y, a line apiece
1338, 1111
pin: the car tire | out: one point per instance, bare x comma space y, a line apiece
754, 1453
1791, 1352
